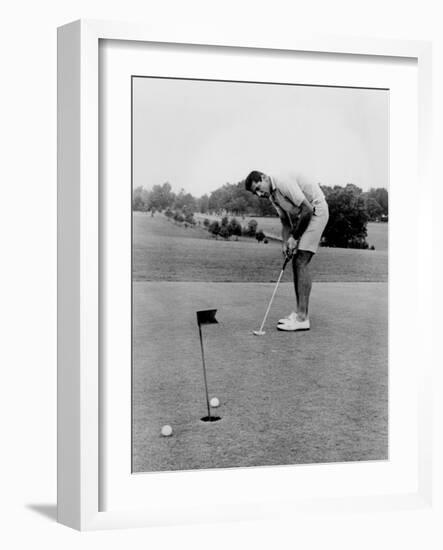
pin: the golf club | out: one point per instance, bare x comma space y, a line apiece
260, 332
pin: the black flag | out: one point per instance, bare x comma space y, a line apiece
206, 317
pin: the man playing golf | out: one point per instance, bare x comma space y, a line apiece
304, 213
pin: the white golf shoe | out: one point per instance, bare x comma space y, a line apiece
291, 317
293, 325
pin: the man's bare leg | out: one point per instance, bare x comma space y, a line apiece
294, 270
302, 282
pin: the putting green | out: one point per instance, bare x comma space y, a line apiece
285, 398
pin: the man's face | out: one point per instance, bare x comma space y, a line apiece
262, 188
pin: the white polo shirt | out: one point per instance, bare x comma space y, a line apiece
287, 194
289, 191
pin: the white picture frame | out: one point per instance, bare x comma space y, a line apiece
79, 362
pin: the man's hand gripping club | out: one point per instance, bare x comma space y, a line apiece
290, 247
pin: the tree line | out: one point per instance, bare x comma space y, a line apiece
231, 197
350, 208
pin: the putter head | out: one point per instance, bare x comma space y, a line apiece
258, 332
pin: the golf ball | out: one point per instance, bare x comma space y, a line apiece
214, 402
166, 430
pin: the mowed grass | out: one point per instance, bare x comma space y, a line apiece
163, 251
286, 398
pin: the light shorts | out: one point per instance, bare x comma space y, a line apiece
311, 237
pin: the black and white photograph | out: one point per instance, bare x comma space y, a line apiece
260, 227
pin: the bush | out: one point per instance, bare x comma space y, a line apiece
252, 228
189, 218
234, 227
260, 236
265, 241
224, 232
214, 228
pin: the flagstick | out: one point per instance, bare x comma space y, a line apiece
204, 370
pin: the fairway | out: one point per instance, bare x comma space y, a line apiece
378, 235
163, 251
286, 398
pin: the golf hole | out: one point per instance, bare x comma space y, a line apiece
210, 418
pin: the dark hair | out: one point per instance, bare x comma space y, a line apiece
254, 177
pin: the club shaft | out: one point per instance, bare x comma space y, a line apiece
204, 370
271, 300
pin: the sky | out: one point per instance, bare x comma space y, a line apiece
199, 135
